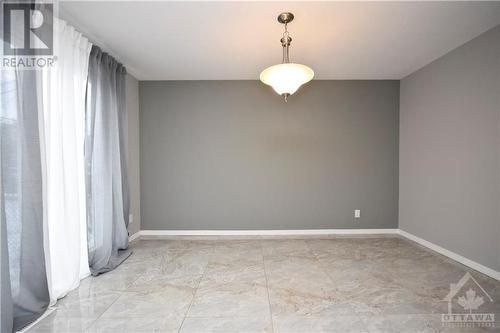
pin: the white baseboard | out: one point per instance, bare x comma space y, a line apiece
325, 232
455, 256
134, 236
301, 232
47, 312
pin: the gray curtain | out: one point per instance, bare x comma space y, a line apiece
24, 292
106, 163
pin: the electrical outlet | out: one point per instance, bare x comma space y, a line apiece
357, 213
130, 219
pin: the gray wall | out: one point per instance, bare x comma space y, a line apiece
449, 151
132, 106
234, 155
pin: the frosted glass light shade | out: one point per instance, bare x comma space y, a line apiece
286, 78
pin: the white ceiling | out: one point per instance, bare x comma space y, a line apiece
236, 40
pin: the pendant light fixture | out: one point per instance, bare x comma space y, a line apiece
286, 77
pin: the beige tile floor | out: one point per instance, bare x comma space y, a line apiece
361, 284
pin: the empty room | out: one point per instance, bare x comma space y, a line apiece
250, 166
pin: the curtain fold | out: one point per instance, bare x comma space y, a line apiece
24, 289
105, 163
6, 305
63, 102
23, 283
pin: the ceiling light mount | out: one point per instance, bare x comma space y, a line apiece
285, 18
286, 77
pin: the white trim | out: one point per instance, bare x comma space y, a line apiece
457, 257
134, 236
267, 232
47, 312
311, 232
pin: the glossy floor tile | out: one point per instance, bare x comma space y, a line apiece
344, 284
